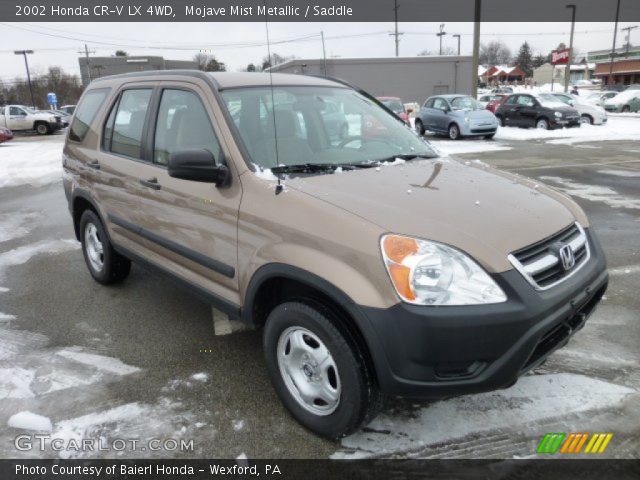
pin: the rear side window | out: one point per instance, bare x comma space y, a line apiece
125, 125
86, 112
183, 123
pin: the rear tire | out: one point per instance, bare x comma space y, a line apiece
419, 127
105, 265
311, 362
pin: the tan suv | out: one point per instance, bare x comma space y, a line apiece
372, 264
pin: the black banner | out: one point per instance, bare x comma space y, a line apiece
320, 469
313, 10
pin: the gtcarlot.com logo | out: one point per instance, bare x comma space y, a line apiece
574, 443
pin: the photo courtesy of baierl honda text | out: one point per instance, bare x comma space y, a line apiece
319, 239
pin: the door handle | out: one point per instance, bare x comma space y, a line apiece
94, 164
151, 183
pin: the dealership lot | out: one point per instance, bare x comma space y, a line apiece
140, 360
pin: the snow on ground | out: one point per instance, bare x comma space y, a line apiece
30, 421
112, 365
616, 128
16, 224
31, 163
453, 147
594, 193
533, 398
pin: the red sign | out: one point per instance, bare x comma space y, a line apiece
560, 57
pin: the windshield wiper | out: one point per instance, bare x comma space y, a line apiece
319, 167
405, 156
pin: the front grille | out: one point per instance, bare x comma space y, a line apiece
541, 263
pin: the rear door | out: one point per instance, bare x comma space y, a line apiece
189, 227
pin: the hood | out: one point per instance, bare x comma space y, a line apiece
476, 114
473, 207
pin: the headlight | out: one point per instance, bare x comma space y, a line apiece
52, 119
558, 114
430, 273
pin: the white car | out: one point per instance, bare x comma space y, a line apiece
589, 113
598, 98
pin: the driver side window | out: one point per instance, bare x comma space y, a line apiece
16, 111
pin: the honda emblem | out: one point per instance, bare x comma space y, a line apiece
567, 258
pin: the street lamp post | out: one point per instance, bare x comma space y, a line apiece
613, 47
24, 53
567, 70
441, 34
457, 35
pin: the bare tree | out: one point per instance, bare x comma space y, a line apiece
495, 53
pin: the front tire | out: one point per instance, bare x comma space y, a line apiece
454, 131
105, 265
318, 372
542, 124
419, 127
42, 128
626, 109
501, 121
586, 119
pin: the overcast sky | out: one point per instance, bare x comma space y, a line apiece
229, 41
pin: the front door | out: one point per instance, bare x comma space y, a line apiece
18, 119
190, 227
115, 168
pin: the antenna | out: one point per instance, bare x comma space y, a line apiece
279, 187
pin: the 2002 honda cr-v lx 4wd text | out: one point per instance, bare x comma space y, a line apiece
371, 264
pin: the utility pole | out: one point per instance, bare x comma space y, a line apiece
24, 53
457, 35
628, 29
86, 52
396, 34
324, 55
476, 48
613, 47
567, 69
441, 34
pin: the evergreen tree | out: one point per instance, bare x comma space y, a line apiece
539, 60
524, 59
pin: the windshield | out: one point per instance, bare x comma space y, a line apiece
394, 105
550, 101
318, 125
30, 111
466, 103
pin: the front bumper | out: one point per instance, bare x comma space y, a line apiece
436, 352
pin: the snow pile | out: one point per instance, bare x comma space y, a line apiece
31, 163
30, 421
200, 377
617, 128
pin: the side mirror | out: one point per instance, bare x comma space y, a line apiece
198, 165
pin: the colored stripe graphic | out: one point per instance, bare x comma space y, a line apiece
550, 443
574, 442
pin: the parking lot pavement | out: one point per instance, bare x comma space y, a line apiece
128, 361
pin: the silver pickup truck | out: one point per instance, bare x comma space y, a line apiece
19, 117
